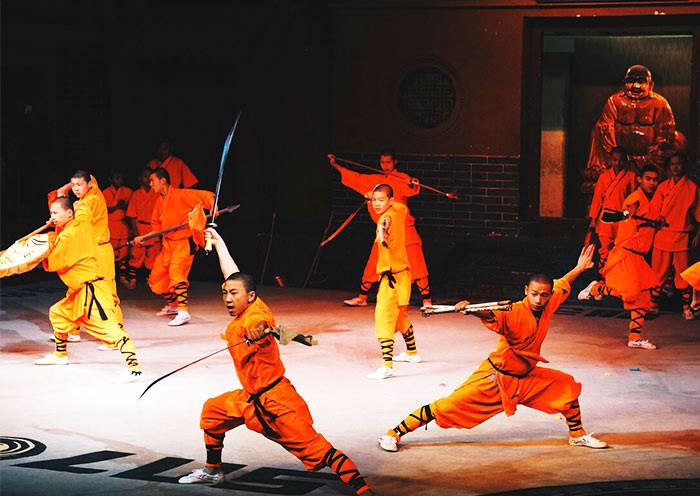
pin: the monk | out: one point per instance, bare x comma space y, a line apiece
626, 273
139, 213
91, 208
394, 273
180, 174
88, 301
404, 187
510, 376
171, 268
613, 186
268, 403
117, 197
678, 201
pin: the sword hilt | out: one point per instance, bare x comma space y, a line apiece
207, 243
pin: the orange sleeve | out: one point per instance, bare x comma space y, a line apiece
361, 183
195, 196
597, 202
133, 204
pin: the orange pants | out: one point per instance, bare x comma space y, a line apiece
144, 255
171, 266
293, 425
631, 279
692, 276
391, 311
662, 261
118, 236
479, 398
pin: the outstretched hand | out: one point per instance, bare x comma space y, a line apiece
585, 259
461, 305
331, 159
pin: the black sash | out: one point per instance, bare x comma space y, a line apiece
261, 412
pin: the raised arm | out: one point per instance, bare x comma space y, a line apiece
585, 262
226, 262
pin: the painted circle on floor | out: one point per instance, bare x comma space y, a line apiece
665, 487
19, 447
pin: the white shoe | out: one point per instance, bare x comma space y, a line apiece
182, 317
199, 476
128, 376
641, 343
587, 441
381, 373
405, 357
356, 302
388, 443
51, 359
105, 347
167, 310
585, 293
72, 338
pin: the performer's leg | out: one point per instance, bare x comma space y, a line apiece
62, 323
179, 271
346, 470
386, 313
159, 282
661, 263
638, 305
680, 265
419, 272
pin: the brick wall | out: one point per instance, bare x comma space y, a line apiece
487, 187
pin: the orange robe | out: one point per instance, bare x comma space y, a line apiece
268, 403
679, 203
180, 174
692, 276
172, 265
394, 294
118, 229
510, 376
626, 271
610, 191
362, 183
141, 210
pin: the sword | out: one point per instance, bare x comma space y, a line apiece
224, 154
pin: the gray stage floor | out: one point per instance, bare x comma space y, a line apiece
67, 430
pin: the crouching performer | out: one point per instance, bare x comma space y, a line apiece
510, 375
268, 403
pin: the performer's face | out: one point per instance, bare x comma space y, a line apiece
676, 167
638, 87
158, 184
538, 294
616, 160
387, 163
79, 186
381, 202
117, 179
648, 182
59, 215
236, 297
163, 151
145, 180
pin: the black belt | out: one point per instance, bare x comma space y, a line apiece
93, 299
143, 222
261, 412
390, 277
635, 252
504, 372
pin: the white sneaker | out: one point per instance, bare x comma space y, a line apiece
105, 347
72, 338
381, 373
182, 317
199, 476
51, 359
388, 443
356, 302
585, 293
167, 310
641, 343
587, 441
405, 357
128, 376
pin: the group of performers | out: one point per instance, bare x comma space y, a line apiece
267, 403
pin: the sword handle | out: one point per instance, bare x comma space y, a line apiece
207, 243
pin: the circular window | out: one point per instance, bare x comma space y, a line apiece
427, 97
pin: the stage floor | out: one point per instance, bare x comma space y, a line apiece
66, 430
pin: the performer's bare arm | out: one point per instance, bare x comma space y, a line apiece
226, 262
585, 262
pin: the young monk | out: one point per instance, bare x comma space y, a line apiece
392, 268
180, 174
404, 187
678, 201
91, 208
139, 212
510, 375
267, 403
626, 274
88, 302
171, 268
613, 186
117, 197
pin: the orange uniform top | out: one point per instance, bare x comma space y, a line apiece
180, 174
518, 349
679, 203
634, 234
362, 183
91, 208
391, 239
112, 197
141, 205
171, 210
611, 190
257, 364
73, 256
